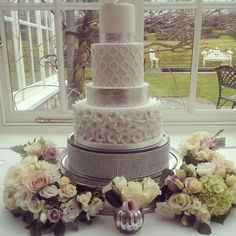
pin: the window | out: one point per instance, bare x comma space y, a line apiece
46, 56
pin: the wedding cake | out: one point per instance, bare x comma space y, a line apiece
117, 127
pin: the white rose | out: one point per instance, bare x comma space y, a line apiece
150, 190
34, 149
118, 183
14, 176
164, 210
206, 168
84, 200
194, 143
133, 191
23, 198
53, 173
36, 206
94, 208
49, 191
30, 162
71, 210
193, 185
8, 199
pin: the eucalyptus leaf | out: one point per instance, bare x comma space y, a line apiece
19, 149
164, 175
112, 197
219, 143
203, 228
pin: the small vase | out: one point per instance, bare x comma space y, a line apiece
128, 221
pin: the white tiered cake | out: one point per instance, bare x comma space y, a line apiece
118, 128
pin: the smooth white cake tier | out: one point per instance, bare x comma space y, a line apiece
117, 64
117, 18
111, 96
118, 127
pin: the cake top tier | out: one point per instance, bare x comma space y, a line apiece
117, 22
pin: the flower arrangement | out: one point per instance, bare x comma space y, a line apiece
203, 189
36, 189
121, 191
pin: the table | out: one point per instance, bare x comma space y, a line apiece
103, 225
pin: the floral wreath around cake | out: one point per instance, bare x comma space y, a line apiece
201, 190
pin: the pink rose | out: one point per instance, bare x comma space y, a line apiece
50, 154
54, 215
36, 180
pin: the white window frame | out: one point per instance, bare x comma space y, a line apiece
172, 118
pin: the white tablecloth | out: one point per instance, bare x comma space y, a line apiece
103, 225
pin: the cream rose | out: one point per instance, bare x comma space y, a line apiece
179, 202
95, 206
150, 190
118, 183
142, 193
36, 180
68, 191
164, 210
193, 185
49, 191
84, 200
133, 191
63, 181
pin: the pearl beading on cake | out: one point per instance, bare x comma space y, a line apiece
117, 64
122, 127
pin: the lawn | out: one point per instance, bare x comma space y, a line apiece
177, 85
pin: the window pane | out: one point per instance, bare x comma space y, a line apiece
32, 16
33, 69
24, 30
218, 47
168, 41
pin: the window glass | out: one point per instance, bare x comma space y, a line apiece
218, 47
168, 38
32, 61
26, 54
